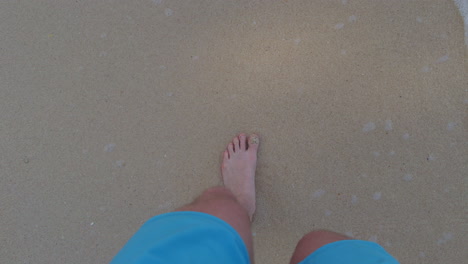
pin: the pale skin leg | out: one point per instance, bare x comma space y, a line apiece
313, 241
235, 201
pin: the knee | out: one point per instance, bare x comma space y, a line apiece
217, 190
313, 241
218, 193
218, 198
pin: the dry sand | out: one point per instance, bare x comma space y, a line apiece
114, 111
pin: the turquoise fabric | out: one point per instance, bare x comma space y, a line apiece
184, 237
350, 252
192, 237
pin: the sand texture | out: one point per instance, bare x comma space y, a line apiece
114, 111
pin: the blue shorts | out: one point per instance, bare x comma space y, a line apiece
191, 237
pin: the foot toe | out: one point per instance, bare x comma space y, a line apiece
243, 141
254, 141
235, 141
231, 149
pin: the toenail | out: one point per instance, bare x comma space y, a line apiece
254, 140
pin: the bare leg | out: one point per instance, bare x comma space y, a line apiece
313, 241
234, 203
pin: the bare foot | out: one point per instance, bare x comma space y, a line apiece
238, 169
